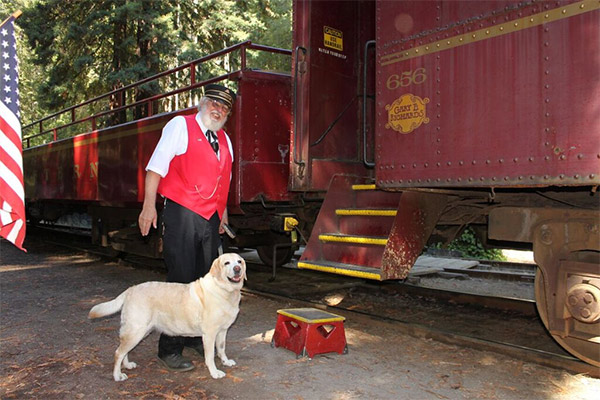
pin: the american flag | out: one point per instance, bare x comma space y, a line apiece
12, 193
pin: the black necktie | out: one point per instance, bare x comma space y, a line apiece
212, 139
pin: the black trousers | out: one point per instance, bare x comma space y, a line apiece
190, 245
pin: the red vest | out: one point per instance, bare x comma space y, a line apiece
197, 179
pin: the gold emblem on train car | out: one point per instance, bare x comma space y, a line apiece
407, 113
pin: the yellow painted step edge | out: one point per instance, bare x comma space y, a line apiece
364, 187
364, 212
353, 239
340, 271
312, 321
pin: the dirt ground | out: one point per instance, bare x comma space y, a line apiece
49, 349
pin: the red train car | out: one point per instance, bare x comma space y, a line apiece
94, 180
443, 114
404, 122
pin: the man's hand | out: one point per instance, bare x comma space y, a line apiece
224, 220
147, 217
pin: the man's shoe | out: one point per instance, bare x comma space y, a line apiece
197, 347
176, 362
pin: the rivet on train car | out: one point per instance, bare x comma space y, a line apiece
427, 48
580, 156
474, 36
437, 128
501, 28
481, 178
416, 50
426, 165
406, 54
546, 177
409, 181
562, 157
448, 180
501, 160
438, 116
516, 24
428, 180
470, 179
392, 166
438, 105
438, 180
547, 58
460, 39
458, 179
487, 161
414, 165
564, 11
547, 114
473, 162
530, 159
381, 167
460, 163
561, 176
403, 166
576, 176
546, 30
521, 177
506, 178
530, 19
532, 177
547, 144
546, 16
449, 163
493, 178
582, 6
487, 32
438, 164
438, 152
592, 176
516, 159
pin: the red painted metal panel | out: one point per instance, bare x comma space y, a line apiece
328, 104
515, 108
262, 137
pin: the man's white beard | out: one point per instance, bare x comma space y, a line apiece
208, 122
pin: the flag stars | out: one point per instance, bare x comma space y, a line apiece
4, 43
7, 89
4, 32
5, 55
7, 100
6, 66
7, 78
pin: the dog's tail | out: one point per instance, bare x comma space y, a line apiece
107, 308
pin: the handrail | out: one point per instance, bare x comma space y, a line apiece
120, 92
367, 164
295, 111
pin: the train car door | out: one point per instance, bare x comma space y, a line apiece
328, 67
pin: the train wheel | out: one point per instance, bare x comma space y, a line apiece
284, 255
587, 351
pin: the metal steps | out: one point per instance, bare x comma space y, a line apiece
352, 229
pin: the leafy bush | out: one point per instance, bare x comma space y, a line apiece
469, 245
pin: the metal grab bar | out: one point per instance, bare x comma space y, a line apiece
296, 108
367, 163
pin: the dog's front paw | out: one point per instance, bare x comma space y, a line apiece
130, 365
218, 374
120, 377
229, 363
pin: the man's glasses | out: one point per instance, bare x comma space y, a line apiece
219, 106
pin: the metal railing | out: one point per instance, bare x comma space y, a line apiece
139, 108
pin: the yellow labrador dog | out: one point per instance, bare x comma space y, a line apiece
206, 307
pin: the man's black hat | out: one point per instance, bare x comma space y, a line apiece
220, 93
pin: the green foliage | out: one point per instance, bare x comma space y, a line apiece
74, 50
471, 247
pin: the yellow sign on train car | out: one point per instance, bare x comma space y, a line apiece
333, 38
407, 113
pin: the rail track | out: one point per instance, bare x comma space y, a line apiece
489, 322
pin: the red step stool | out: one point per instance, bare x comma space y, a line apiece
308, 331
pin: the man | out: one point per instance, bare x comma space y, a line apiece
191, 169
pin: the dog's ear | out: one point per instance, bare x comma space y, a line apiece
244, 266
215, 268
